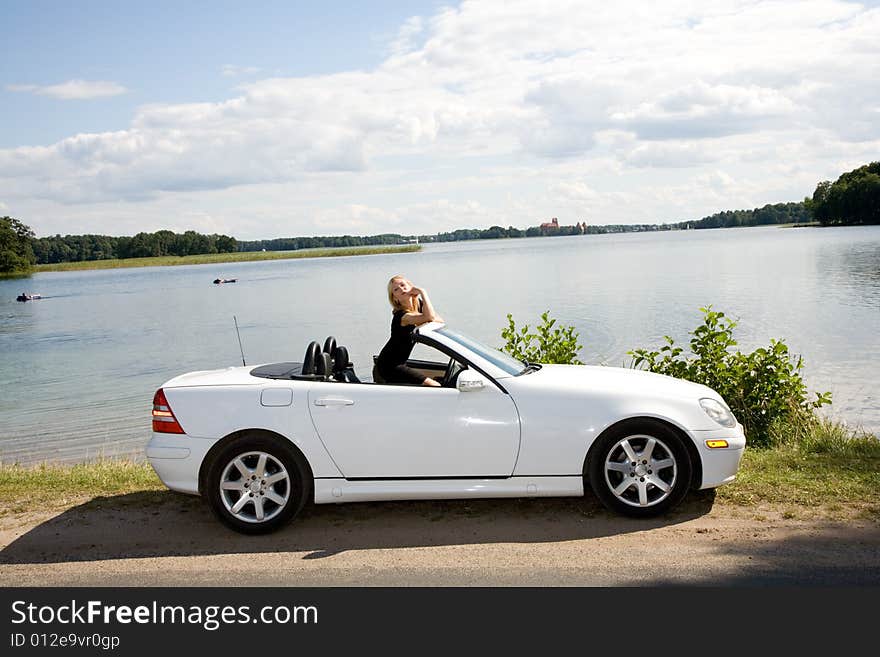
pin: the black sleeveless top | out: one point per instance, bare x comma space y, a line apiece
399, 346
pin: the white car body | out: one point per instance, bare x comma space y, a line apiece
493, 433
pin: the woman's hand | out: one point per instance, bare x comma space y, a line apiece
416, 291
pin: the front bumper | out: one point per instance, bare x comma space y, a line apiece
720, 465
177, 458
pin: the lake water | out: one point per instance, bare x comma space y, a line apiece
80, 366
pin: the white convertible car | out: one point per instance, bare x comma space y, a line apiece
260, 442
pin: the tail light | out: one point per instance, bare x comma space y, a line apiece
163, 417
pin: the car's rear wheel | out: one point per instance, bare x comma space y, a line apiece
640, 468
256, 484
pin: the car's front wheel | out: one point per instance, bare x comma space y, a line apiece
640, 468
256, 484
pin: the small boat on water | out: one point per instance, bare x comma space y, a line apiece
218, 281
25, 296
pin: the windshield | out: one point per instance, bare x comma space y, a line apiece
497, 358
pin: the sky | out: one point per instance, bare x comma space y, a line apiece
279, 119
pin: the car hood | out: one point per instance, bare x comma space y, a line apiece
619, 379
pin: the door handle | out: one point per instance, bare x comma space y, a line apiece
333, 401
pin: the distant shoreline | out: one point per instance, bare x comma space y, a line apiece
223, 258
325, 252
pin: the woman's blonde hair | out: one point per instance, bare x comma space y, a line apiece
392, 300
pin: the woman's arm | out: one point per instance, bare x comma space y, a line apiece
428, 314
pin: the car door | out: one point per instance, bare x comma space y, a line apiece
396, 431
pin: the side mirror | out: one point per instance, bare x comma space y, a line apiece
470, 380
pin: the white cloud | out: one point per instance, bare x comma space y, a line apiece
72, 89
700, 110
575, 191
497, 112
205, 222
407, 35
674, 154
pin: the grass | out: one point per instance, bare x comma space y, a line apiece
218, 258
837, 485
832, 473
56, 487
819, 465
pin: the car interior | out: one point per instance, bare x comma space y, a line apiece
331, 363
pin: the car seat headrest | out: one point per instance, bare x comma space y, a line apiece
340, 359
323, 366
311, 358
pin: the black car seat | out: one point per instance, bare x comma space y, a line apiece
323, 366
330, 346
343, 368
310, 360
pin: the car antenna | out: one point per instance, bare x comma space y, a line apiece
239, 340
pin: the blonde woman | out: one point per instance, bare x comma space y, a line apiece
411, 307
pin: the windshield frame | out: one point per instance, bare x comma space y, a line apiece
498, 359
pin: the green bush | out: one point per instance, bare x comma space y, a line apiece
548, 345
764, 388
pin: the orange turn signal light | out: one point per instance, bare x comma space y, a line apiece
716, 444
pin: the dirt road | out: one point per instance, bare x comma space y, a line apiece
151, 539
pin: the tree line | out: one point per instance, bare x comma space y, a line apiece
16, 252
321, 242
778, 213
20, 249
76, 248
853, 199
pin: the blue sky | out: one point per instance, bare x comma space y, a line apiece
272, 119
173, 52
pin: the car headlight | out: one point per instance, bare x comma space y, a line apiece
718, 412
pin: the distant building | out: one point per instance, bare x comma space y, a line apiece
553, 223
582, 227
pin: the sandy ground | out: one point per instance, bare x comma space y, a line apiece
133, 540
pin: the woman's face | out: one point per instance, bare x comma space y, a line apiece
401, 289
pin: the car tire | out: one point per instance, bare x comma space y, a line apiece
640, 468
256, 484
